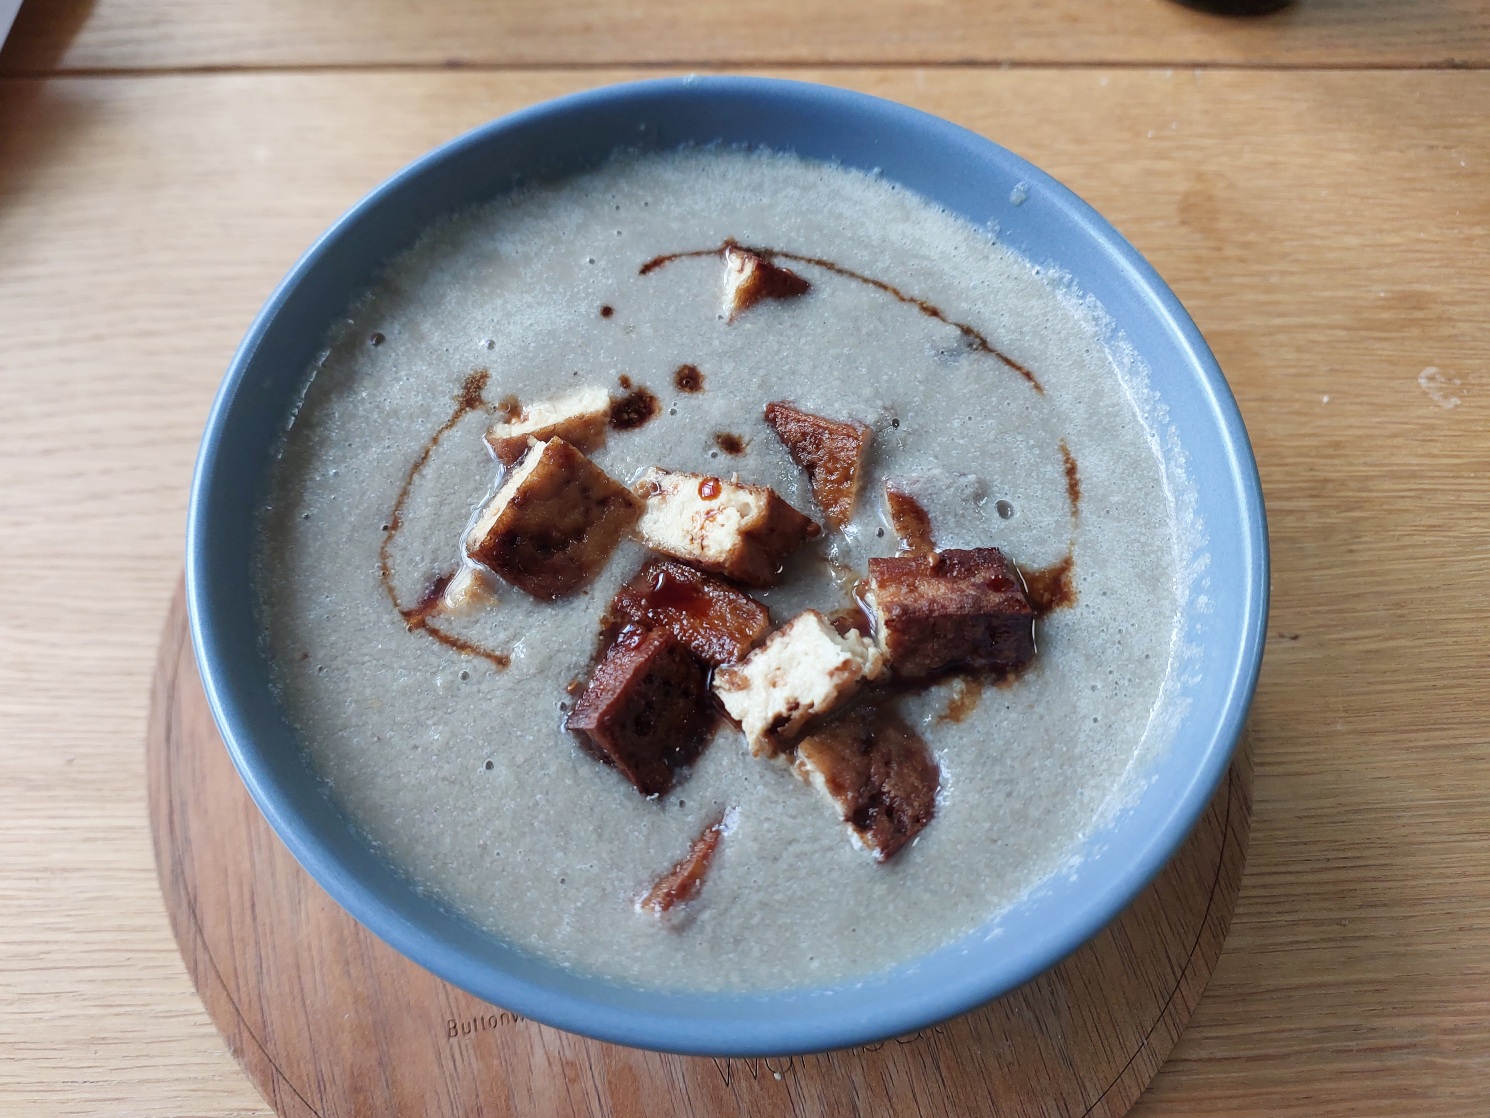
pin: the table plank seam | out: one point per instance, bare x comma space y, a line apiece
735, 66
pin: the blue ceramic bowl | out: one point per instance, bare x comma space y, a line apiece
957, 169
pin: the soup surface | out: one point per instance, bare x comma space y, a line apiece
459, 768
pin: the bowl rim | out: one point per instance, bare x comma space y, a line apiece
674, 1022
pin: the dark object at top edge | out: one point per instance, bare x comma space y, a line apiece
1236, 7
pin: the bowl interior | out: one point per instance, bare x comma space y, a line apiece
1223, 618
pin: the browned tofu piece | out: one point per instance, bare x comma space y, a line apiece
909, 520
878, 773
718, 623
580, 419
832, 451
949, 609
645, 709
683, 883
750, 277
744, 532
553, 522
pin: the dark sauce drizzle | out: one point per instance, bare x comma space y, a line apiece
731, 444
974, 337
633, 409
509, 408
1050, 588
688, 378
964, 700
848, 620
418, 617
429, 601
1046, 588
672, 593
1073, 480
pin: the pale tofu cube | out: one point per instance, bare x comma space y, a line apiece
804, 670
744, 532
579, 418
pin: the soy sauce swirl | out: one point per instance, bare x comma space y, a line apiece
418, 617
975, 338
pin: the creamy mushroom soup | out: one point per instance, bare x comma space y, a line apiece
992, 401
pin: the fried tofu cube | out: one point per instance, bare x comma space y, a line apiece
832, 451
949, 609
750, 277
553, 522
878, 774
744, 532
718, 623
909, 519
803, 671
579, 418
645, 709
682, 884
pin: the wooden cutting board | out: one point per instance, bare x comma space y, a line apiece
329, 1021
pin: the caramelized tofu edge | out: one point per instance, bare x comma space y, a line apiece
669, 896
750, 277
832, 452
947, 610
717, 621
877, 772
645, 709
553, 522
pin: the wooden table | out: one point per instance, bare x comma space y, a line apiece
1315, 186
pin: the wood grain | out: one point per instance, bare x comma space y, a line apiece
1329, 233
163, 34
328, 1021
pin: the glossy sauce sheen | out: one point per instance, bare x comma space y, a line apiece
719, 622
992, 404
